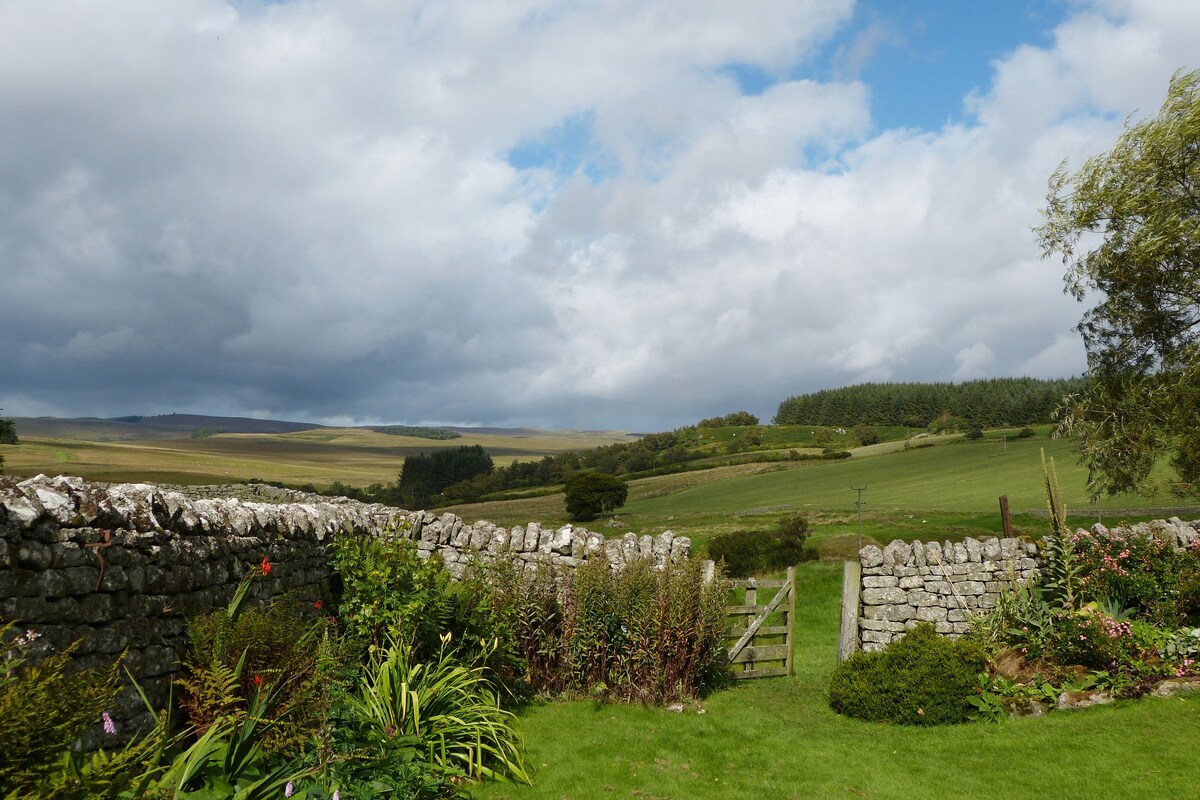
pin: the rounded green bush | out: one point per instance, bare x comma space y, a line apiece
921, 679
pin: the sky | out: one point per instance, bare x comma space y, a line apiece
590, 214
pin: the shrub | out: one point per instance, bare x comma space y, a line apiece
1139, 569
589, 494
641, 634
743, 553
921, 679
236, 656
975, 434
746, 553
866, 434
1025, 433
388, 592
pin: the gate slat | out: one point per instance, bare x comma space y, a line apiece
773, 672
766, 652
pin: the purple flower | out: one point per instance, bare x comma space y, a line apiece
337, 795
110, 727
289, 790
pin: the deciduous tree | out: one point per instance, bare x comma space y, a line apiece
590, 494
1127, 227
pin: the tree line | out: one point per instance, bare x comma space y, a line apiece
8, 435
992, 403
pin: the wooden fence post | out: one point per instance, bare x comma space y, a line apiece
1005, 517
851, 585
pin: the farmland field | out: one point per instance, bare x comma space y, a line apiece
947, 490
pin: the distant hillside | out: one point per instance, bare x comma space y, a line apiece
992, 403
135, 428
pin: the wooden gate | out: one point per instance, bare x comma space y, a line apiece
758, 651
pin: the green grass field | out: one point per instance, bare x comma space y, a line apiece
947, 490
777, 738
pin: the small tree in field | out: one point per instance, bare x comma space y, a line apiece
590, 494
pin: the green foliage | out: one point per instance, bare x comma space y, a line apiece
921, 679
1025, 433
1120, 621
1141, 571
424, 476
866, 434
389, 593
44, 708
8, 432
236, 655
99, 775
992, 403
589, 494
443, 714
1022, 619
228, 761
8, 435
641, 634
975, 434
1140, 204
746, 553
439, 434
736, 418
996, 695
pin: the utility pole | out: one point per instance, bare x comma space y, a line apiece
858, 504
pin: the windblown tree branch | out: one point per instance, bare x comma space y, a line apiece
1127, 227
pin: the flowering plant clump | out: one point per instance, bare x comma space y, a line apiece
1142, 570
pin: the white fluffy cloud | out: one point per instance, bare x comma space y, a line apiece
310, 210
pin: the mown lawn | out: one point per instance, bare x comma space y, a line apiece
777, 738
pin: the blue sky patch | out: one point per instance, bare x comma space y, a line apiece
566, 149
921, 58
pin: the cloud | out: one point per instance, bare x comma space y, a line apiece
353, 210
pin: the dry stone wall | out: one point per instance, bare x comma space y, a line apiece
904, 584
121, 567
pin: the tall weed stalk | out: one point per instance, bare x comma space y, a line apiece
643, 634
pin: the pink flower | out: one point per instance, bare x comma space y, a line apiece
110, 727
337, 795
289, 790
